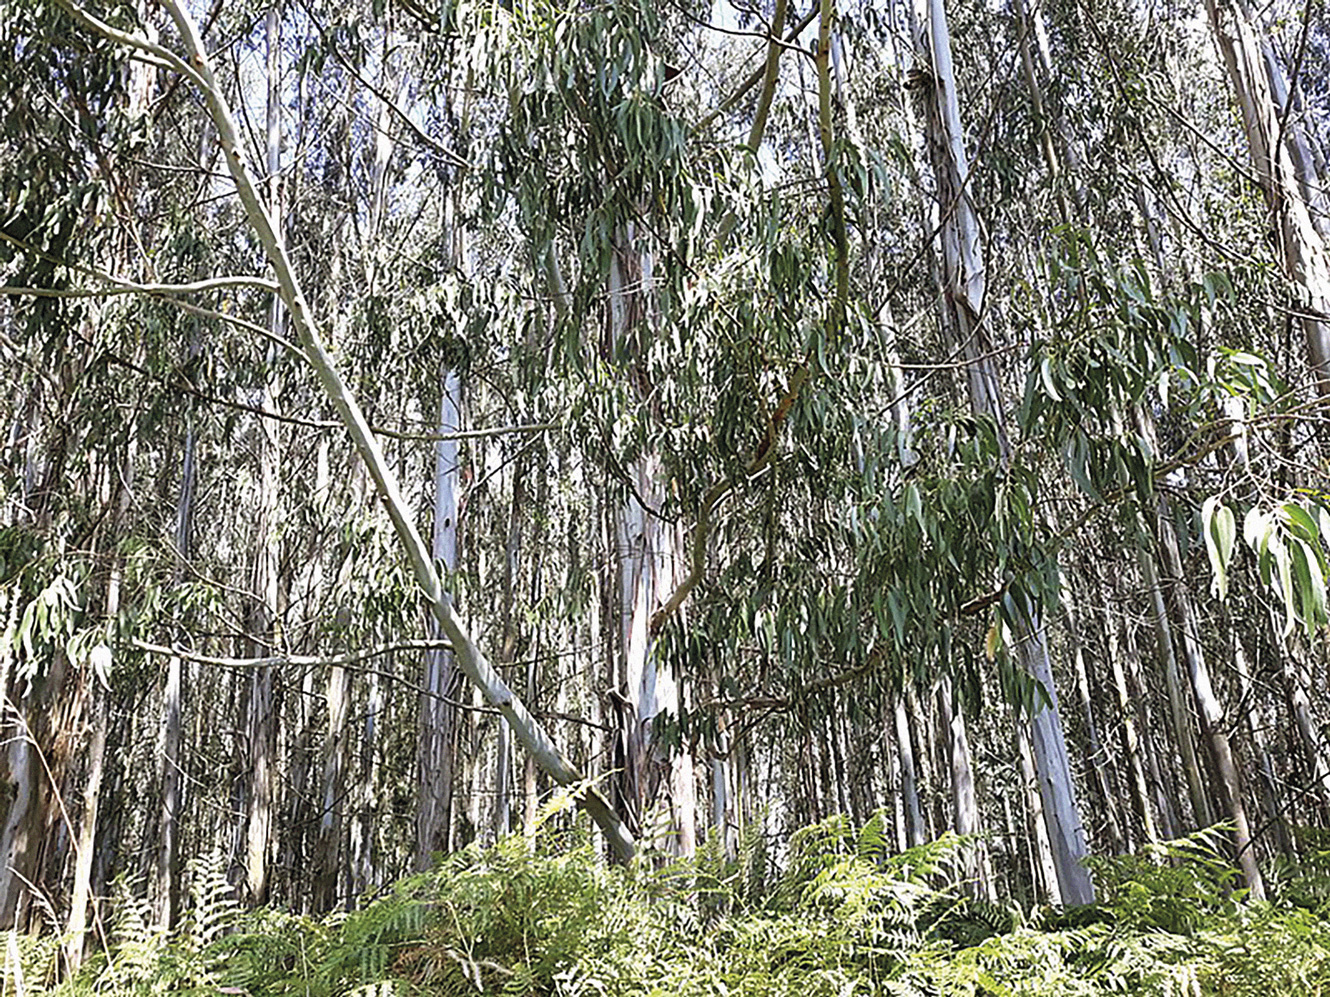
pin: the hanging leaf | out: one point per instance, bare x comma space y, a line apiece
1311, 586
1284, 579
1220, 530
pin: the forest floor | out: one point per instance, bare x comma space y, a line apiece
844, 915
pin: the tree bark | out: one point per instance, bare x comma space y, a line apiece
963, 295
965, 804
1303, 252
1212, 712
648, 564
438, 718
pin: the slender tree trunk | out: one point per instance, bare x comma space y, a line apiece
1132, 743
329, 855
965, 803
1181, 716
437, 734
915, 831
1098, 755
76, 930
1212, 713
1297, 680
1043, 871
1255, 716
263, 714
1156, 746
963, 294
1303, 251
168, 844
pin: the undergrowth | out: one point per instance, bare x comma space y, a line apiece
847, 916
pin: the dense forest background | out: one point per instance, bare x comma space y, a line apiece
741, 415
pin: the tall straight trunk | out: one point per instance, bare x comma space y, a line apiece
1212, 712
965, 802
1256, 715
648, 564
1131, 744
1178, 712
76, 929
263, 616
916, 833
1155, 745
1043, 871
724, 818
168, 840
1273, 141
328, 836
1108, 799
503, 763
438, 719
328, 841
530, 783
963, 297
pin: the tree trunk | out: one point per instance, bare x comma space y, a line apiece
263, 616
1256, 716
169, 773
1181, 716
434, 750
915, 831
965, 804
1212, 713
963, 295
1132, 744
1043, 871
1098, 753
647, 557
1303, 252
75, 931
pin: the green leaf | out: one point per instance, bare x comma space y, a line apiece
1046, 372
1254, 529
1304, 526
1220, 530
915, 506
1284, 579
1311, 585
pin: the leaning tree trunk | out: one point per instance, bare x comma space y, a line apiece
197, 68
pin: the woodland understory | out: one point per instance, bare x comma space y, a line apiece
643, 497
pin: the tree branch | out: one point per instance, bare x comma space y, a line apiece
754, 78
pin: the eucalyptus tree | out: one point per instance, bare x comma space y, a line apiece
195, 66
964, 300
721, 489
1285, 171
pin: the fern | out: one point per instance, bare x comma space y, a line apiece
543, 917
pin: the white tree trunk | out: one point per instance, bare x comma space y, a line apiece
963, 290
1303, 250
434, 755
649, 569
